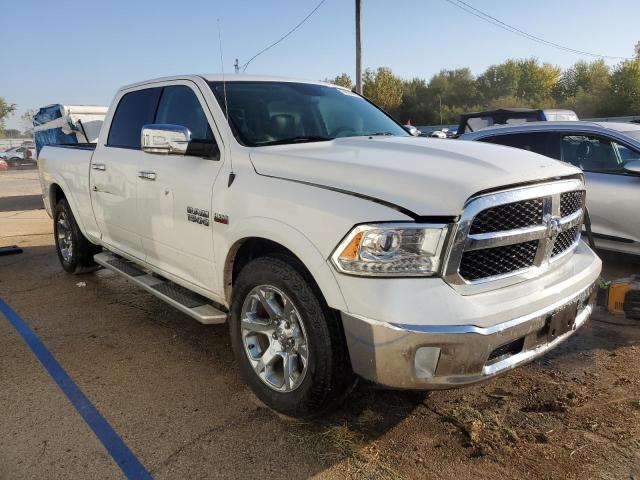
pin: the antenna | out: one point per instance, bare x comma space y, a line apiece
232, 175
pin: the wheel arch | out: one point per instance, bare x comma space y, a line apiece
248, 247
57, 192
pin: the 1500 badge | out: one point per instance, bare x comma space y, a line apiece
197, 215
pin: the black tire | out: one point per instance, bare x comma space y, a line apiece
14, 162
80, 258
328, 374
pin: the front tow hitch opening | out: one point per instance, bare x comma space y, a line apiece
505, 351
426, 361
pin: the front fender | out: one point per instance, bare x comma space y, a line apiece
294, 241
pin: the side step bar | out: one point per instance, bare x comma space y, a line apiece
187, 302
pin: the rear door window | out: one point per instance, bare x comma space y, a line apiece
534, 142
179, 105
134, 110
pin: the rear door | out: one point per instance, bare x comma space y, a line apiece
613, 194
175, 194
114, 172
537, 142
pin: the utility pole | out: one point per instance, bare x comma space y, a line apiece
237, 66
358, 50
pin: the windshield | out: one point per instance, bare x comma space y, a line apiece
272, 113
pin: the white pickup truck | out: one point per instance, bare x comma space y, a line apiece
334, 243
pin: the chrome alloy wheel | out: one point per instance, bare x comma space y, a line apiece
65, 237
274, 338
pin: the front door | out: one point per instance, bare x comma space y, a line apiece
174, 193
613, 194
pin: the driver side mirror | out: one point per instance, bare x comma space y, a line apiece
165, 139
412, 130
633, 167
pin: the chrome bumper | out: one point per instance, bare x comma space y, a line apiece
439, 357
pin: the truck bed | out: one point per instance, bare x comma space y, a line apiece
68, 166
77, 146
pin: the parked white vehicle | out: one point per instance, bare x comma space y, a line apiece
609, 155
438, 134
332, 240
17, 156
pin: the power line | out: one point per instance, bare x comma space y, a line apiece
510, 28
244, 67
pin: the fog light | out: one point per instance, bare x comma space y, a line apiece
426, 361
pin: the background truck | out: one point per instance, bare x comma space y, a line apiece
334, 243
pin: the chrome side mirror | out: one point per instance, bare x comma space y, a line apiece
633, 167
165, 139
412, 130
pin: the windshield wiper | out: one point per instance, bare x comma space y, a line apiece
378, 134
299, 139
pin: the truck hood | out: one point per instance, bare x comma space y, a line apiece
428, 177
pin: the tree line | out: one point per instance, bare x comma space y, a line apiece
591, 89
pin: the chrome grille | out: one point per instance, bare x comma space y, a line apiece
571, 202
509, 236
508, 217
565, 240
497, 261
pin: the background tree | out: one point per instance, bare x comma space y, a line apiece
383, 88
416, 106
585, 88
27, 122
455, 91
342, 80
6, 109
12, 133
536, 82
625, 88
499, 81
591, 89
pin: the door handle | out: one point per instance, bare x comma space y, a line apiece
146, 175
98, 166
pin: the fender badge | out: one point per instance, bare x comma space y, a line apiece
220, 218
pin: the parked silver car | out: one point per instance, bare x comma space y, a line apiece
608, 153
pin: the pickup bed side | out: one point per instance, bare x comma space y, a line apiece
64, 171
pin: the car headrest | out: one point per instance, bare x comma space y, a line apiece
282, 125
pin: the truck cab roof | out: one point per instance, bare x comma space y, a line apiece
218, 77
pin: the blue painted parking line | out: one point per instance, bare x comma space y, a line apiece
126, 460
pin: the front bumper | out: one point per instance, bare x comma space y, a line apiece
439, 355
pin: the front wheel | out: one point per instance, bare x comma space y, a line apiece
75, 252
289, 344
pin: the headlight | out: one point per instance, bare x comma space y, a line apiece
391, 250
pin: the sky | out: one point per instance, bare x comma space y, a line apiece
74, 52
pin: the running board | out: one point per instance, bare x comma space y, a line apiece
192, 304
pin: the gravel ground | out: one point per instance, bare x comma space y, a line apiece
170, 388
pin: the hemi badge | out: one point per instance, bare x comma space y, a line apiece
220, 218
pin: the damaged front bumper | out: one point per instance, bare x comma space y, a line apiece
446, 356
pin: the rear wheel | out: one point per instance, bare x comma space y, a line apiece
289, 344
75, 252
